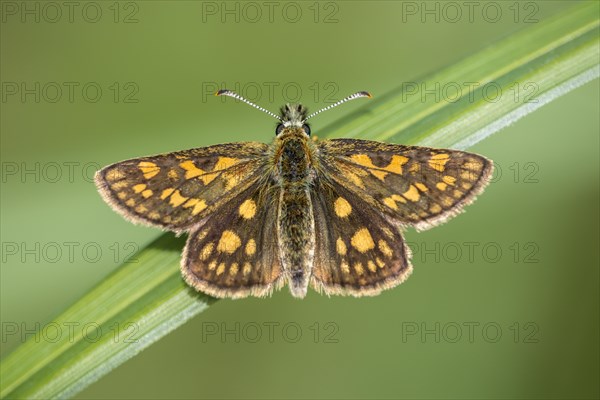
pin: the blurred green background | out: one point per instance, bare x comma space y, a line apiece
503, 302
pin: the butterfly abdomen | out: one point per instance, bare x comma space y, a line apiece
296, 237
295, 216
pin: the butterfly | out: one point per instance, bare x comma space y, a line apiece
324, 213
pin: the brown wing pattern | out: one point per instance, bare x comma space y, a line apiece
415, 186
358, 251
177, 190
235, 252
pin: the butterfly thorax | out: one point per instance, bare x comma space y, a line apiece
293, 157
295, 171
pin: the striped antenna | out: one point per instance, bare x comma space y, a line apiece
351, 97
230, 93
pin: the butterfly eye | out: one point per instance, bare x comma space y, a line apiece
279, 129
306, 129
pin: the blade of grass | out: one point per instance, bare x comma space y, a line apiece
141, 302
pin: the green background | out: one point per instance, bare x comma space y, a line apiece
543, 202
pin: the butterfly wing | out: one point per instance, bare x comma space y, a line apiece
367, 192
358, 251
235, 252
412, 185
177, 190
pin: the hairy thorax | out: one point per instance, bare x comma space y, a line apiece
294, 159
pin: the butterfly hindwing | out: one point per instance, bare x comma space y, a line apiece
177, 190
234, 253
415, 186
358, 251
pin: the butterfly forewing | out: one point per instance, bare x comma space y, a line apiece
177, 190
234, 253
416, 186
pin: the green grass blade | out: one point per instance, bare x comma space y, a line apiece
552, 58
144, 300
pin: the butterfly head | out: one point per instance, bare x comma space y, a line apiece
293, 116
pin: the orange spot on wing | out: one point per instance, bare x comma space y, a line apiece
250, 247
371, 265
114, 174
177, 199
358, 267
198, 205
449, 180
362, 240
438, 161
224, 163
385, 248
149, 169
247, 268
208, 178
391, 201
435, 208
412, 193
166, 193
139, 187
229, 242
395, 165
247, 209
421, 187
341, 207
191, 171
221, 268
233, 270
340, 247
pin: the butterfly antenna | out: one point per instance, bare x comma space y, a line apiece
351, 97
230, 93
